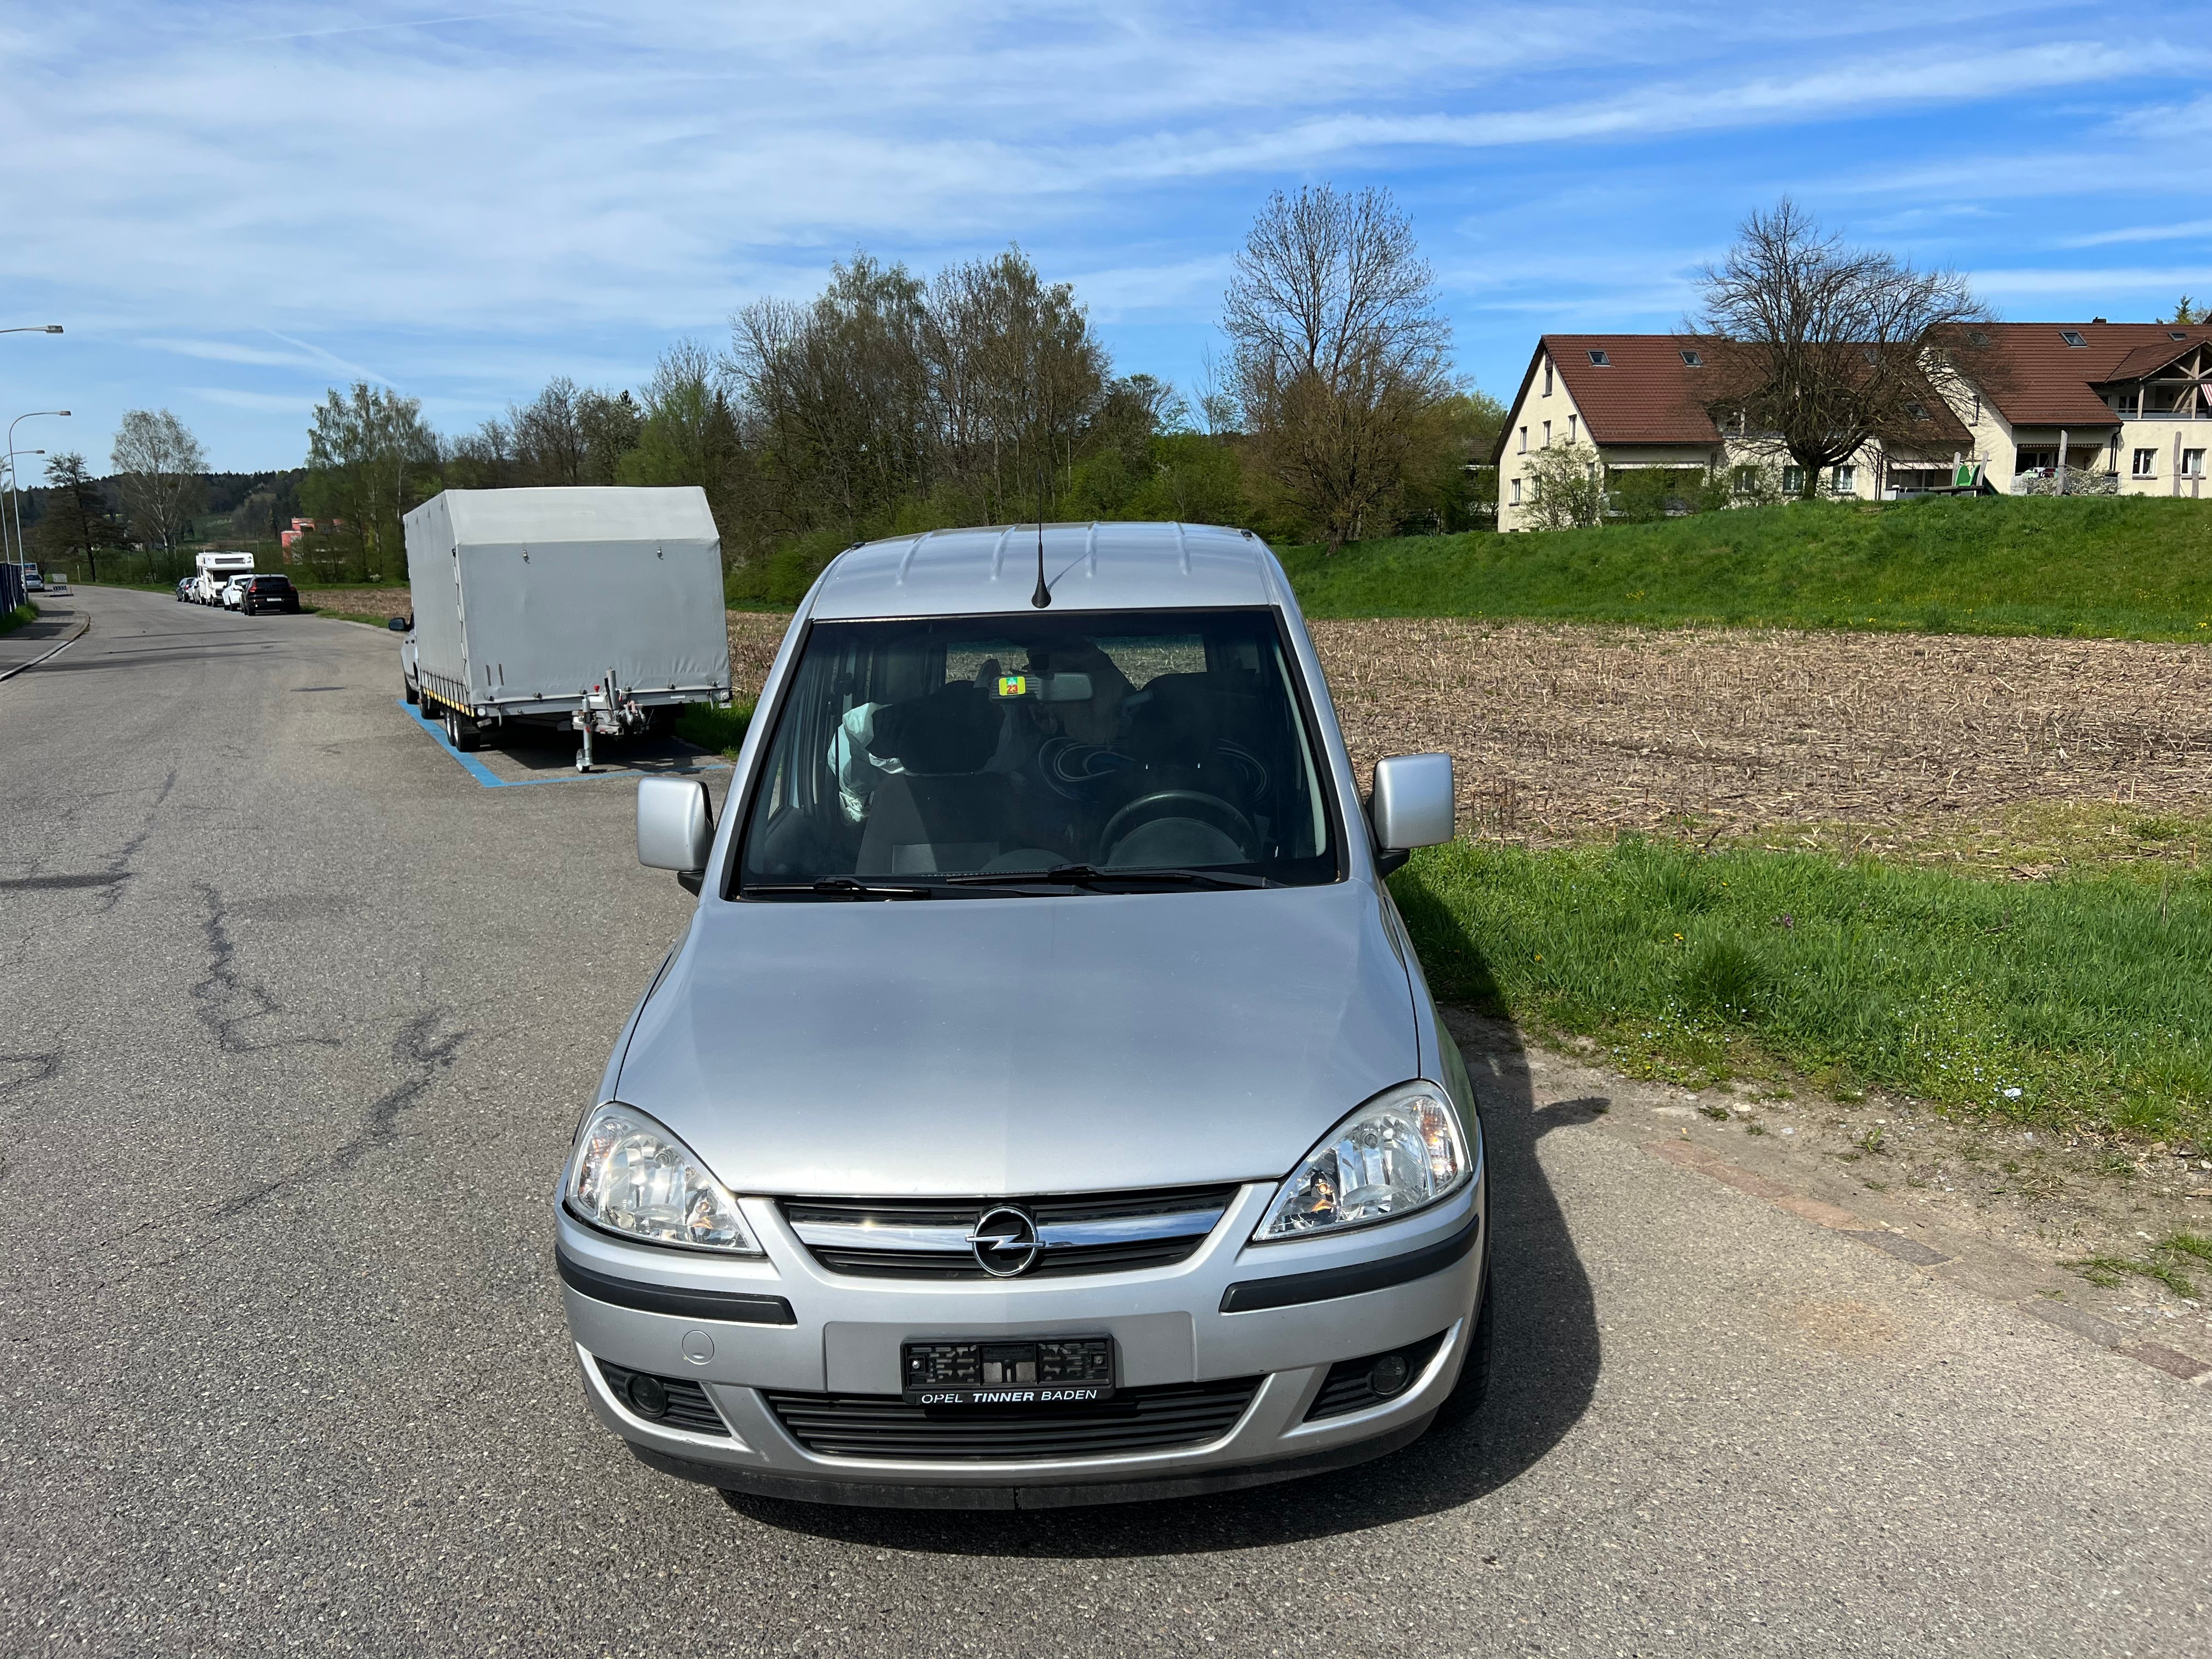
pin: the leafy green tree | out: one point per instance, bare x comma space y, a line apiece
688, 434
370, 459
1567, 489
75, 520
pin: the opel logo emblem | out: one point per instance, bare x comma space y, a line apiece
1005, 1242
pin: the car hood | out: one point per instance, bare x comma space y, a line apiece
1012, 1046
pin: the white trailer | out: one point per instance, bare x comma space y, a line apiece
215, 570
596, 609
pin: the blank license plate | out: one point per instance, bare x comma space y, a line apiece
1052, 1370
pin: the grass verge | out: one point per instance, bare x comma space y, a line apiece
720, 730
21, 614
2126, 568
2084, 1003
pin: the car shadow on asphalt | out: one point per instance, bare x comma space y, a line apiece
1543, 1376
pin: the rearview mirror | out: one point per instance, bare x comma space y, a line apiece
1412, 805
398, 625
675, 826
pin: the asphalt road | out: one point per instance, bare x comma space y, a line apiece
298, 1020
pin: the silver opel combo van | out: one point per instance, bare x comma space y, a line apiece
1044, 1105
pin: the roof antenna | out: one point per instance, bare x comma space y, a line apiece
1042, 597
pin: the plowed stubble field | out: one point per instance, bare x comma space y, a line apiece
1565, 733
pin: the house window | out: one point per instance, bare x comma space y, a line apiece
2035, 460
1793, 480
1517, 492
1548, 434
1692, 360
1524, 440
1747, 481
2072, 336
1571, 420
2192, 463
1917, 411
1846, 481
2175, 334
1598, 360
1548, 377
1975, 336
2146, 465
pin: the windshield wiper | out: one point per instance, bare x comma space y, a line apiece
841, 887
1089, 875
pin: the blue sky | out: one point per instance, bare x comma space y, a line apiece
231, 206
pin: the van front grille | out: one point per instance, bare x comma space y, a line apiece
1134, 1420
1079, 1233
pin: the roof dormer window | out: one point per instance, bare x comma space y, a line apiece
1917, 411
2175, 334
1599, 360
1692, 360
2072, 336
1975, 336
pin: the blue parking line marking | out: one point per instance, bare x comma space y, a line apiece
484, 775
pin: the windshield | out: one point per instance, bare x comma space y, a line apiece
958, 754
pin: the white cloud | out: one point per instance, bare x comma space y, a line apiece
469, 201
2193, 230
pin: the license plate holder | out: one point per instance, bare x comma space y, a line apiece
1032, 1370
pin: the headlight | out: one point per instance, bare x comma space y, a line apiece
1401, 1151
631, 1176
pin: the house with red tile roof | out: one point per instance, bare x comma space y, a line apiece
2094, 408
2089, 408
1638, 401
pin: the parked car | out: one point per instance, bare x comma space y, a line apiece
232, 591
258, 593
1045, 1104
184, 588
32, 582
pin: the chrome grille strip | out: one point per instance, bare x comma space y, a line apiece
1053, 1235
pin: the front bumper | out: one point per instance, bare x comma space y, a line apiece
1281, 1313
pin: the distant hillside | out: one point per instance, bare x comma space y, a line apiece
2123, 567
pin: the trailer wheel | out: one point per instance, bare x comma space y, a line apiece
466, 734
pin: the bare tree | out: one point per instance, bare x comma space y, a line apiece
1017, 378
162, 470
1336, 350
1812, 348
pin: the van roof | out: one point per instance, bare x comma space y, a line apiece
1088, 566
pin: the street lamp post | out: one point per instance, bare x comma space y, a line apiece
14, 491
8, 467
34, 328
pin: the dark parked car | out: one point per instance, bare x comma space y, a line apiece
260, 593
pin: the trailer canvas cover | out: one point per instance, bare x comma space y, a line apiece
529, 598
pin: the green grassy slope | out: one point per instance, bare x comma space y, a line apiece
2130, 569
2086, 1001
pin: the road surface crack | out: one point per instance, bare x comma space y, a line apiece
229, 1003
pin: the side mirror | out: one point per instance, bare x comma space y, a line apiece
398, 625
675, 827
1412, 806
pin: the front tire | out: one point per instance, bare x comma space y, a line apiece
407, 689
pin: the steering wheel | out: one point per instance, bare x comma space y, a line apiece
1225, 817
